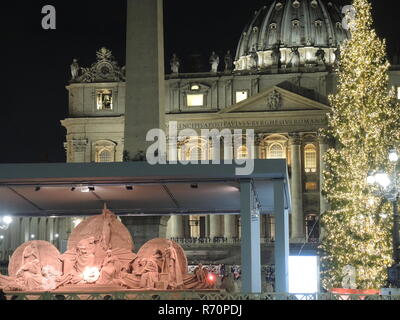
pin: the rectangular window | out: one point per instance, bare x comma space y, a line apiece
241, 96
195, 100
104, 99
310, 159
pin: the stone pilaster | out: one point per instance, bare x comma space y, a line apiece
297, 217
79, 150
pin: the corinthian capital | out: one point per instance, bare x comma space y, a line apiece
294, 139
79, 145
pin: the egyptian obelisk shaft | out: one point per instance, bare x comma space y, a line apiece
145, 73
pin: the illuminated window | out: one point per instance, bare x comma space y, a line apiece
195, 87
310, 158
104, 156
241, 96
104, 99
276, 151
194, 224
103, 151
242, 153
311, 186
194, 149
195, 100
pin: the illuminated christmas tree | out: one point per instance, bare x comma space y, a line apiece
363, 125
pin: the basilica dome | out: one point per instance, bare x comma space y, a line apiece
297, 35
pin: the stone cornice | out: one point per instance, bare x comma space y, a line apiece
93, 120
95, 85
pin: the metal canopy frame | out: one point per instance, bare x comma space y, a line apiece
45, 190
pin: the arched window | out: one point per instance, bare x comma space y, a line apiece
104, 151
105, 156
242, 153
310, 158
276, 151
195, 149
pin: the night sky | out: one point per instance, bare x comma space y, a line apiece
36, 63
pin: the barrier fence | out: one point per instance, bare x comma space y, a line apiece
199, 296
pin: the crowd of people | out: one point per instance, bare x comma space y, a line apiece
205, 240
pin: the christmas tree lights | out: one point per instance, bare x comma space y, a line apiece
363, 125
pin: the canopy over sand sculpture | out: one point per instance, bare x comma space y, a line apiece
100, 255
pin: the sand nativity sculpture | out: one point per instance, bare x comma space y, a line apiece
100, 256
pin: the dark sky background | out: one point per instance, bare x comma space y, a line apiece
35, 62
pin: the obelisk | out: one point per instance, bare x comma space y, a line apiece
144, 108
145, 74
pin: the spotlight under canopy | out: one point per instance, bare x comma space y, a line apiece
5, 222
87, 189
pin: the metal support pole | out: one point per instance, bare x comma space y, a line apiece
281, 240
394, 271
251, 249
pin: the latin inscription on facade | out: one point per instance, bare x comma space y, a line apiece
317, 122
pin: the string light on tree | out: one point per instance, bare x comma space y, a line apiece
363, 124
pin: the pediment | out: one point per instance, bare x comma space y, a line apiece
279, 98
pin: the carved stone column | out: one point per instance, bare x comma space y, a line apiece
15, 233
257, 146
229, 226
263, 227
176, 227
207, 226
267, 227
215, 226
42, 224
297, 218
